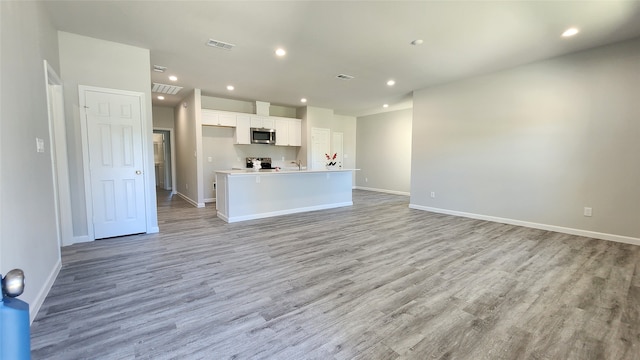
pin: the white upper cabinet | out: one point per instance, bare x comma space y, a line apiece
262, 122
295, 132
218, 118
282, 132
242, 134
288, 132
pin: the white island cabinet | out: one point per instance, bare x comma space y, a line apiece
247, 194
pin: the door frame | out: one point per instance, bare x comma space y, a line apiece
59, 161
147, 181
173, 158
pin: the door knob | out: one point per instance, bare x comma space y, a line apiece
138, 172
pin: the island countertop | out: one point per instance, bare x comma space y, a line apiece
248, 194
281, 171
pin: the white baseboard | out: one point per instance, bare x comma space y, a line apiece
153, 230
79, 239
190, 201
383, 190
282, 212
209, 200
44, 291
560, 229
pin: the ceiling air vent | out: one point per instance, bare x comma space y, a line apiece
159, 68
344, 77
220, 44
165, 89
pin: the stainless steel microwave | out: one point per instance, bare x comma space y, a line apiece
263, 136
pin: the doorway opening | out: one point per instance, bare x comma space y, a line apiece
162, 156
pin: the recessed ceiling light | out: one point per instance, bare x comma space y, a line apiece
303, 100
173, 78
417, 42
391, 82
281, 52
160, 97
385, 105
230, 87
570, 32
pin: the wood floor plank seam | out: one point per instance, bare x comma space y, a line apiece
376, 280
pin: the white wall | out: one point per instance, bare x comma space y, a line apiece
27, 223
188, 140
94, 62
216, 103
384, 151
218, 146
242, 106
163, 117
315, 117
537, 143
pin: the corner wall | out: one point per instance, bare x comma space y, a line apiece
384, 152
100, 63
28, 229
536, 144
188, 141
325, 118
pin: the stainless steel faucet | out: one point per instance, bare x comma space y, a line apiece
299, 163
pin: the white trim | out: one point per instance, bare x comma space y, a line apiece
190, 201
149, 224
58, 153
283, 212
560, 229
44, 291
382, 190
209, 200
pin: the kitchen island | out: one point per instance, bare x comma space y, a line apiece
248, 194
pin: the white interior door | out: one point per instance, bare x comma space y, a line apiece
114, 140
320, 145
337, 147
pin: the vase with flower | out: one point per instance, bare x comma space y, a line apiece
331, 160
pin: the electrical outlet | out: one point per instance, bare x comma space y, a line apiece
433, 194
366, 179
186, 186
209, 159
588, 211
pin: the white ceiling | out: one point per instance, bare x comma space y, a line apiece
368, 40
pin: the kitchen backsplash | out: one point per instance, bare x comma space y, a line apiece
220, 153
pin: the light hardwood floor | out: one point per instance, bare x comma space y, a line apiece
373, 281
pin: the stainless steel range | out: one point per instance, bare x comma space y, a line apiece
265, 162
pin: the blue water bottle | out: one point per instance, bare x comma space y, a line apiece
14, 319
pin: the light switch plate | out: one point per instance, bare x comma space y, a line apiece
39, 145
